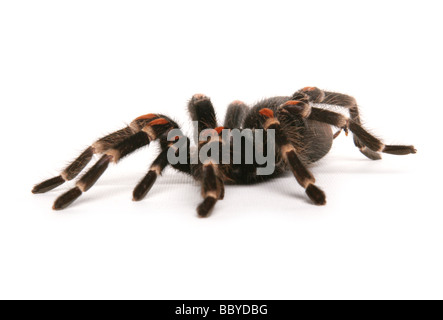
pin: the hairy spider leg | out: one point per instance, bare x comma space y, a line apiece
148, 133
210, 193
221, 186
75, 167
202, 111
235, 115
367, 139
98, 147
289, 155
86, 182
156, 169
159, 164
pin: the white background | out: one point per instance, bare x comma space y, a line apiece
71, 71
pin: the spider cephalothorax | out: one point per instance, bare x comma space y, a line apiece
300, 128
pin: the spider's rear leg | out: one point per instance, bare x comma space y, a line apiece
289, 155
142, 138
73, 169
98, 147
316, 95
367, 140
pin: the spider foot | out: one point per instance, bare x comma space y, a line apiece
205, 208
399, 149
67, 198
144, 186
316, 195
48, 185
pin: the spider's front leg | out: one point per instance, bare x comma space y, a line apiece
149, 128
288, 151
73, 169
203, 114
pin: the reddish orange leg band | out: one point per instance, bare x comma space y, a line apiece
158, 122
147, 116
267, 113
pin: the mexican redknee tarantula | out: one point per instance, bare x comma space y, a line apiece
302, 132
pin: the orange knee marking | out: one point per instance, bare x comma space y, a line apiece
158, 122
267, 113
219, 129
291, 103
308, 89
147, 116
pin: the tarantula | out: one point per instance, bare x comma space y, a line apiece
302, 131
